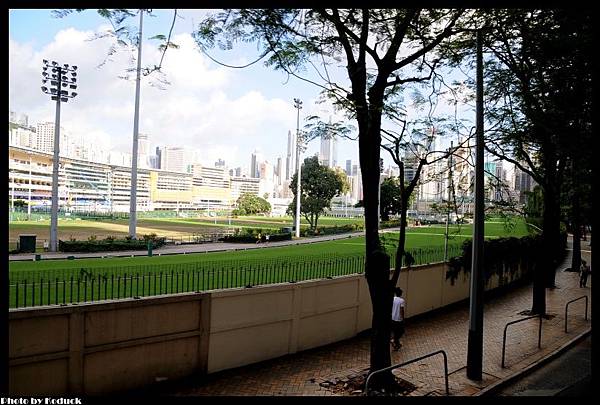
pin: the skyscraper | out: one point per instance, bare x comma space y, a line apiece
290, 160
328, 155
45, 137
255, 160
176, 159
278, 170
158, 157
143, 150
349, 167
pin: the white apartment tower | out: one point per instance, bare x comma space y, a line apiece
328, 154
290, 160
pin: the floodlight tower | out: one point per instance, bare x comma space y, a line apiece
298, 106
56, 75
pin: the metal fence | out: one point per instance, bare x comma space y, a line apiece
76, 285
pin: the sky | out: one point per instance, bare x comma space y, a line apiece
219, 112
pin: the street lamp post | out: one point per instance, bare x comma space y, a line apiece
57, 79
448, 203
29, 194
298, 106
475, 337
379, 193
134, 153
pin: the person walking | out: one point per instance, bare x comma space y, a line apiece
397, 318
584, 272
258, 239
267, 239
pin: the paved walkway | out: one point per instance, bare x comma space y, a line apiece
303, 373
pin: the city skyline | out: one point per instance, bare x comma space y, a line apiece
225, 113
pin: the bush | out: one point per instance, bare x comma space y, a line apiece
110, 244
252, 238
332, 230
502, 256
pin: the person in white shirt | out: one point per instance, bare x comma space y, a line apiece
397, 318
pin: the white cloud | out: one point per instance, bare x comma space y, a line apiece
197, 110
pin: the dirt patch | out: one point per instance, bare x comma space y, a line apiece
354, 385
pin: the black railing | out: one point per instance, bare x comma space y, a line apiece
409, 362
567, 308
73, 285
517, 321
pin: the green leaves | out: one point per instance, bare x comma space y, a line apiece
319, 185
250, 204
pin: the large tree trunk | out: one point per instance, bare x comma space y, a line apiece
551, 234
575, 219
376, 261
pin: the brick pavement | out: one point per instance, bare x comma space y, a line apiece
302, 373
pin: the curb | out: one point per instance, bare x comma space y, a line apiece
493, 388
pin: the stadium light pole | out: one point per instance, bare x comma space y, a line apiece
57, 77
475, 337
298, 106
134, 153
379, 193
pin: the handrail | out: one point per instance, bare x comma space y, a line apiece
409, 362
567, 309
517, 321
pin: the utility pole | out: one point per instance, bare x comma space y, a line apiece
134, 153
58, 80
29, 194
449, 198
298, 106
475, 342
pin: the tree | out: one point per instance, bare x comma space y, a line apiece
250, 204
538, 101
384, 51
390, 198
319, 185
391, 202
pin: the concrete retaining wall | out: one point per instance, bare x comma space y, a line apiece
104, 347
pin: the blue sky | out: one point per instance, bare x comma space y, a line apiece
219, 112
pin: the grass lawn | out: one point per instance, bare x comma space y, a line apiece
116, 277
168, 227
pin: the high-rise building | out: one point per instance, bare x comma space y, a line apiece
16, 118
290, 159
349, 167
220, 163
159, 152
328, 154
278, 171
255, 160
45, 137
176, 159
143, 151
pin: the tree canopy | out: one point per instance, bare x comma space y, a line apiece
318, 187
250, 204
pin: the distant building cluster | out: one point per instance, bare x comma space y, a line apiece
170, 177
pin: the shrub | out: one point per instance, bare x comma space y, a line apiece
502, 256
107, 245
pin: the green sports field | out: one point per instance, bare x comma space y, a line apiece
81, 229
115, 277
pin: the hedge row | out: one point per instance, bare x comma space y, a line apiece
253, 238
332, 230
504, 255
107, 245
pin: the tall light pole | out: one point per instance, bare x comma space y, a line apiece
475, 337
58, 80
449, 198
29, 195
379, 193
134, 153
298, 106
